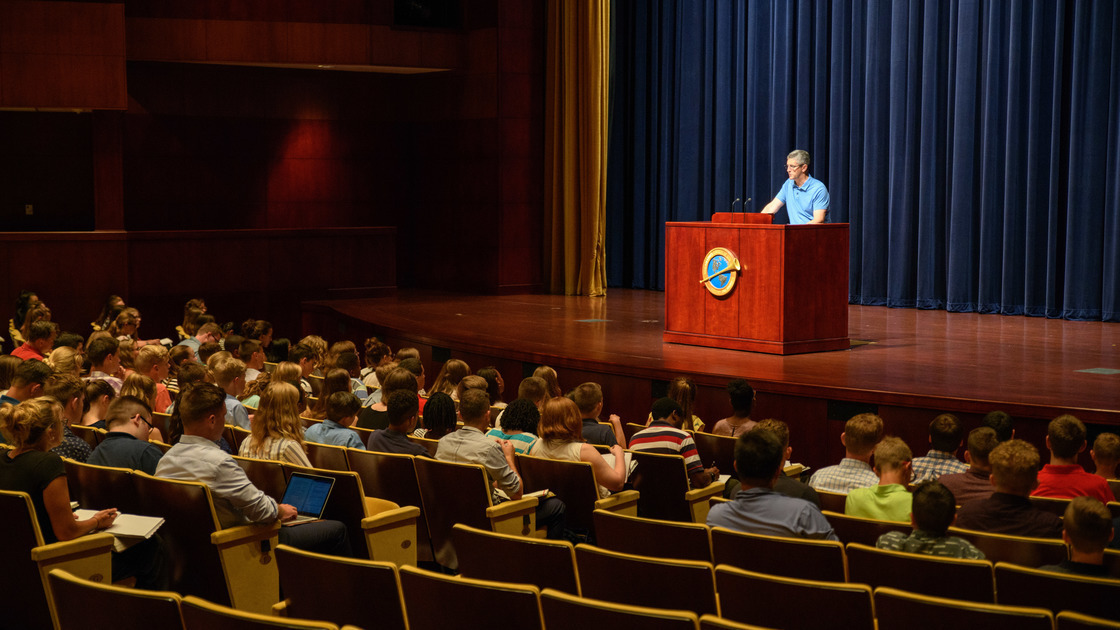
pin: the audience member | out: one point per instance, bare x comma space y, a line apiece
1063, 477
946, 435
1009, 510
889, 500
260, 331
211, 349
342, 412
532, 388
757, 508
70, 392
114, 304
144, 388
521, 418
589, 398
8, 365
1001, 423
229, 374
416, 368
318, 347
861, 434
1106, 454
560, 431
665, 436
471, 381
742, 396
232, 344
1087, 528
303, 356
934, 511
403, 409
126, 325
252, 354
40, 340
336, 380
28, 381
65, 360
375, 355
70, 340
551, 379
495, 386
35, 428
683, 391
348, 362
104, 360
237, 501
439, 417
206, 333
450, 374
377, 415
129, 422
785, 484
154, 362
471, 446
974, 483
277, 432
381, 373
99, 395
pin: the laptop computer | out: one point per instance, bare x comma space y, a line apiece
308, 494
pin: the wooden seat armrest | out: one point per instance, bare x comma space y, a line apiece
698, 500
82, 547
391, 535
514, 517
247, 553
245, 533
374, 506
280, 608
625, 502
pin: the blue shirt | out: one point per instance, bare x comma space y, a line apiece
333, 433
763, 511
236, 413
123, 450
802, 200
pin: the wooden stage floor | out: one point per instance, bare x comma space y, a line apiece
958, 362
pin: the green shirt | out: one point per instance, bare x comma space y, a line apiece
885, 503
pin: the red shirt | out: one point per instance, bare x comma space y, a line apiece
27, 351
1068, 481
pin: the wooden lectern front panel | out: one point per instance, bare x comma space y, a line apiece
760, 287
684, 248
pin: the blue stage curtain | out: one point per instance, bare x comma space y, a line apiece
973, 146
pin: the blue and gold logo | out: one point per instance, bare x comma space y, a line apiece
721, 269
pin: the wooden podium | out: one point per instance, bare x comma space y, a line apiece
790, 295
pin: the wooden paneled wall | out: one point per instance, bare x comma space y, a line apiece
62, 55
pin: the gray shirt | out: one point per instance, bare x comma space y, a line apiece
763, 511
236, 500
468, 445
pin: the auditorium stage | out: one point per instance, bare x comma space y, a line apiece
904, 363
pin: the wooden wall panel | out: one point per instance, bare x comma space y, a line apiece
67, 55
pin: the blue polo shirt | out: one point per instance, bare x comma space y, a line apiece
802, 200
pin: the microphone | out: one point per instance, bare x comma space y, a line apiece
737, 201
749, 199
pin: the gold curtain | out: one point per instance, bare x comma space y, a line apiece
577, 69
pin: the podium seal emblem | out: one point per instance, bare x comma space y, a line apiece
721, 269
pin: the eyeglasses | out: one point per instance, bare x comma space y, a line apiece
144, 420
793, 167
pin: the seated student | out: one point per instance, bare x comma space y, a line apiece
1087, 528
206, 333
304, 356
342, 411
154, 362
665, 436
336, 380
277, 432
742, 403
945, 438
785, 484
495, 386
439, 417
589, 398
757, 508
252, 354
471, 381
348, 362
28, 381
104, 360
450, 374
533, 388
237, 501
861, 434
933, 513
380, 373
377, 353
560, 438
974, 483
230, 376
65, 361
208, 350
1001, 422
889, 500
377, 415
1106, 454
551, 379
40, 340
521, 419
416, 369
129, 422
99, 395
471, 446
683, 390
403, 408
1009, 510
70, 392
1063, 477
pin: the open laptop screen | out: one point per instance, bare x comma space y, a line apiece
308, 493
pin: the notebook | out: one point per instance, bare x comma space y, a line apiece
308, 495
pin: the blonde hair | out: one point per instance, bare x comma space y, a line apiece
287, 371
140, 386
26, 424
213, 360
318, 346
1106, 447
150, 356
449, 376
891, 453
227, 369
126, 348
862, 433
278, 415
65, 360
1015, 466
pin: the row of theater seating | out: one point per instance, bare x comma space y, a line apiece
610, 591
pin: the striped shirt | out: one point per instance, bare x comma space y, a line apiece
662, 437
277, 449
522, 442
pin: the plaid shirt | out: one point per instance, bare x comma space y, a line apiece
847, 475
935, 464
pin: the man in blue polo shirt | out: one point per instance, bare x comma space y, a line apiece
806, 199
